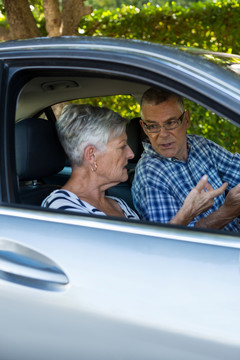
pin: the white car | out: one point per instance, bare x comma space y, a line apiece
75, 286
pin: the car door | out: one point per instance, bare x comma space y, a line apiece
76, 286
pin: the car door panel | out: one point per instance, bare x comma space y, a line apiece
125, 286
79, 287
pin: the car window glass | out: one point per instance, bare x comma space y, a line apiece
204, 122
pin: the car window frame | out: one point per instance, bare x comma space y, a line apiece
17, 69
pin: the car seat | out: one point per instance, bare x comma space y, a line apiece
135, 135
39, 154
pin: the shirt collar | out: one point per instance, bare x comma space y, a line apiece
150, 151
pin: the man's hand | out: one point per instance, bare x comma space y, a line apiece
199, 200
226, 213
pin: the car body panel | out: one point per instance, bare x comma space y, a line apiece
75, 286
106, 289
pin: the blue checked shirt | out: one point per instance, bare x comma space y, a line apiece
161, 184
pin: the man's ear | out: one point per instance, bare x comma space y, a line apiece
188, 118
143, 127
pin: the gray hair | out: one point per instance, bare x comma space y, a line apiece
157, 96
81, 125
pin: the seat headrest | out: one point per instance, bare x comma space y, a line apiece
135, 135
38, 150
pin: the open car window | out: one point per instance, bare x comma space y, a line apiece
204, 122
40, 84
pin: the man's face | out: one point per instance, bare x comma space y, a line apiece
168, 143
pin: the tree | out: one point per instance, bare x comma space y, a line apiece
113, 4
62, 17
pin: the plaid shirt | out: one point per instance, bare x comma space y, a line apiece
161, 184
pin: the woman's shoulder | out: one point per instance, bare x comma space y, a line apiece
128, 212
59, 194
66, 200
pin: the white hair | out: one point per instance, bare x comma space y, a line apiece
81, 125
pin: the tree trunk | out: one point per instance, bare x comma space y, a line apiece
52, 17
4, 34
73, 11
22, 24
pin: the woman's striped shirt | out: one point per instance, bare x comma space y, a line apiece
66, 200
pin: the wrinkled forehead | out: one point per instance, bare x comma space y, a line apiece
171, 106
161, 100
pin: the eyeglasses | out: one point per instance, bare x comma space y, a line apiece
169, 125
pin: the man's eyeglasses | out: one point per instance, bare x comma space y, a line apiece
168, 125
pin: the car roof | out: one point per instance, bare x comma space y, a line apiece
122, 45
199, 64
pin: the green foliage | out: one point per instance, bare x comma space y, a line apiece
206, 123
203, 121
212, 25
113, 4
208, 25
37, 10
125, 105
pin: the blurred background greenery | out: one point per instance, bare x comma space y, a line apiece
208, 24
113, 4
212, 25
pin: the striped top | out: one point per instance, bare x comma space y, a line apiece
66, 200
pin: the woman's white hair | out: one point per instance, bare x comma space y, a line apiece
81, 125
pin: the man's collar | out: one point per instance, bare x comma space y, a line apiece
150, 150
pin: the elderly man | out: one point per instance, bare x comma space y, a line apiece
173, 163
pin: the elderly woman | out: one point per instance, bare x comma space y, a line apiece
95, 142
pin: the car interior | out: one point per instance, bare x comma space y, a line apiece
41, 163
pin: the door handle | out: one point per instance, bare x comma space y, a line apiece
25, 266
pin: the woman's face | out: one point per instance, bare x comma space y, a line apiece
112, 162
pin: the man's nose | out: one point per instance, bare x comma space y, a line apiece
163, 132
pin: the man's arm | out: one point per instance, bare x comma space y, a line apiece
199, 200
225, 214
228, 164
